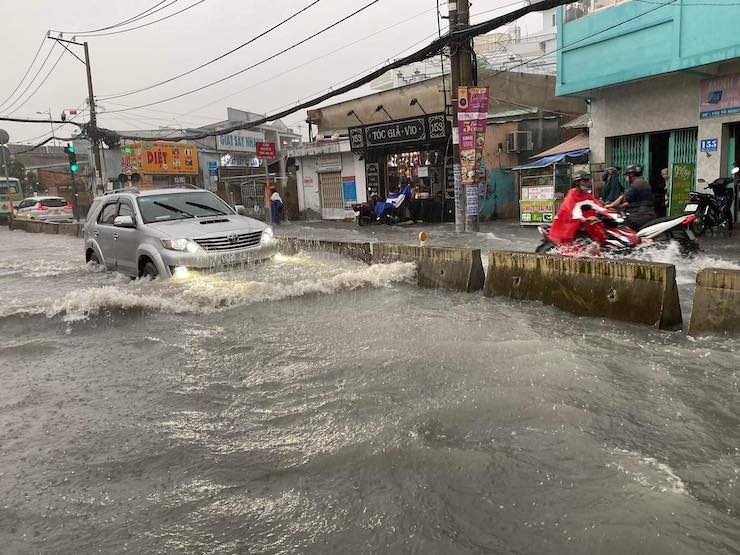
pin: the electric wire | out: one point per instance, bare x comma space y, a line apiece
216, 59
263, 61
30, 83
28, 70
191, 6
131, 19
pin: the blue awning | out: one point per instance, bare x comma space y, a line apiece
549, 160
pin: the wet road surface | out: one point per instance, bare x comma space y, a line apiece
317, 405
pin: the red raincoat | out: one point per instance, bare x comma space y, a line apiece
572, 214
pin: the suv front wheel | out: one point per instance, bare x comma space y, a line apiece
149, 270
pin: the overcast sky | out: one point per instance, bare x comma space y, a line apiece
128, 61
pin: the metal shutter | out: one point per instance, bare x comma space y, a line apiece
330, 185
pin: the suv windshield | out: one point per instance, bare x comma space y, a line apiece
178, 206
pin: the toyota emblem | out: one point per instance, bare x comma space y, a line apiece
233, 238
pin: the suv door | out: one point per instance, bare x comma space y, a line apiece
103, 231
126, 241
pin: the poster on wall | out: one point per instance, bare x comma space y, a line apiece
349, 191
682, 179
537, 211
472, 117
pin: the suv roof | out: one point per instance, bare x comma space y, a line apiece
44, 197
149, 192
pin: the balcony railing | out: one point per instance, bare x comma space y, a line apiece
587, 7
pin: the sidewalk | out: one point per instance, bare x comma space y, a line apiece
493, 236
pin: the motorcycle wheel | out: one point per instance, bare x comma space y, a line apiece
545, 247
699, 226
364, 220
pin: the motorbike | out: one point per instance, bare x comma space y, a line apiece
714, 210
621, 239
396, 209
365, 213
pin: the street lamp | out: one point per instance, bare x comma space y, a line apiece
51, 124
381, 107
352, 113
415, 102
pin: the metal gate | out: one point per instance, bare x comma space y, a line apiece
330, 185
683, 146
630, 149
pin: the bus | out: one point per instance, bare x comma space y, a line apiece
15, 192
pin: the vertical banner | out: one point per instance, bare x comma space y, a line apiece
472, 117
682, 179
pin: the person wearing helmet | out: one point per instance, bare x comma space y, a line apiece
579, 208
638, 199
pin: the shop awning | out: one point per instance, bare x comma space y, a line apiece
577, 143
547, 160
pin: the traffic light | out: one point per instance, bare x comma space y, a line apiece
72, 156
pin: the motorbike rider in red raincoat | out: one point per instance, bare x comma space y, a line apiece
579, 209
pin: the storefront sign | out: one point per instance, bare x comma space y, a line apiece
472, 118
682, 179
213, 168
404, 131
709, 145
265, 150
160, 158
239, 141
372, 177
720, 96
349, 191
329, 163
538, 193
536, 211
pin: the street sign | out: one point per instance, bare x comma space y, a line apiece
213, 168
709, 145
4, 137
266, 150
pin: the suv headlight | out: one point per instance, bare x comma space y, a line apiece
182, 245
267, 232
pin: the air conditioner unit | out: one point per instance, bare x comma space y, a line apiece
519, 141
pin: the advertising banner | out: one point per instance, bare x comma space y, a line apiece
266, 150
349, 191
720, 96
239, 141
472, 117
160, 158
682, 180
537, 211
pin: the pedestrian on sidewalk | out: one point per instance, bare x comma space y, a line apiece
276, 206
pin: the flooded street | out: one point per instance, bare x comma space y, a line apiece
314, 404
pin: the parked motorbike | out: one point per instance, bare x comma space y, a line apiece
397, 208
365, 213
714, 210
621, 239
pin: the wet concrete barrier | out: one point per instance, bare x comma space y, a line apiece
359, 251
716, 308
642, 293
437, 267
73, 230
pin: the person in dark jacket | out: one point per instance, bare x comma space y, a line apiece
637, 200
613, 187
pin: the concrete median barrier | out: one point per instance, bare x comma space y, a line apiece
21, 225
30, 226
448, 268
359, 251
716, 308
642, 293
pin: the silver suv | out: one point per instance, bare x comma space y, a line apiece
166, 232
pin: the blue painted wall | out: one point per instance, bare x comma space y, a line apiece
640, 39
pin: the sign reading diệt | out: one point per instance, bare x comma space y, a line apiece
682, 180
161, 158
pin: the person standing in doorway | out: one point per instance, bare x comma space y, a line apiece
660, 194
665, 174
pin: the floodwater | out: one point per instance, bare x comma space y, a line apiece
316, 405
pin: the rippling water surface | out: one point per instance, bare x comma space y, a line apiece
317, 405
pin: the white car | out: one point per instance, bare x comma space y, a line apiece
44, 209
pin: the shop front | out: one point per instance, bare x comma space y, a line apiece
415, 151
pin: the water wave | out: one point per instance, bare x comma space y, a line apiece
206, 293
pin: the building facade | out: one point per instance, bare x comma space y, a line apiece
662, 81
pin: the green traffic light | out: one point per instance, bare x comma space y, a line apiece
71, 148
73, 168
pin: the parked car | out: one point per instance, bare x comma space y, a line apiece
44, 209
166, 232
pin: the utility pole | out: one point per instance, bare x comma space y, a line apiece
93, 122
461, 72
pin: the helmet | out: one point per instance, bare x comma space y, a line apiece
635, 169
581, 175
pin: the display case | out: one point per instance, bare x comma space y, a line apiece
542, 192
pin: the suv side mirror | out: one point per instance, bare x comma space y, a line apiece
239, 209
124, 221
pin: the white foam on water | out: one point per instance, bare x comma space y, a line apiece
686, 267
208, 292
648, 472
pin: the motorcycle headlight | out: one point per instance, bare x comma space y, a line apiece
182, 245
